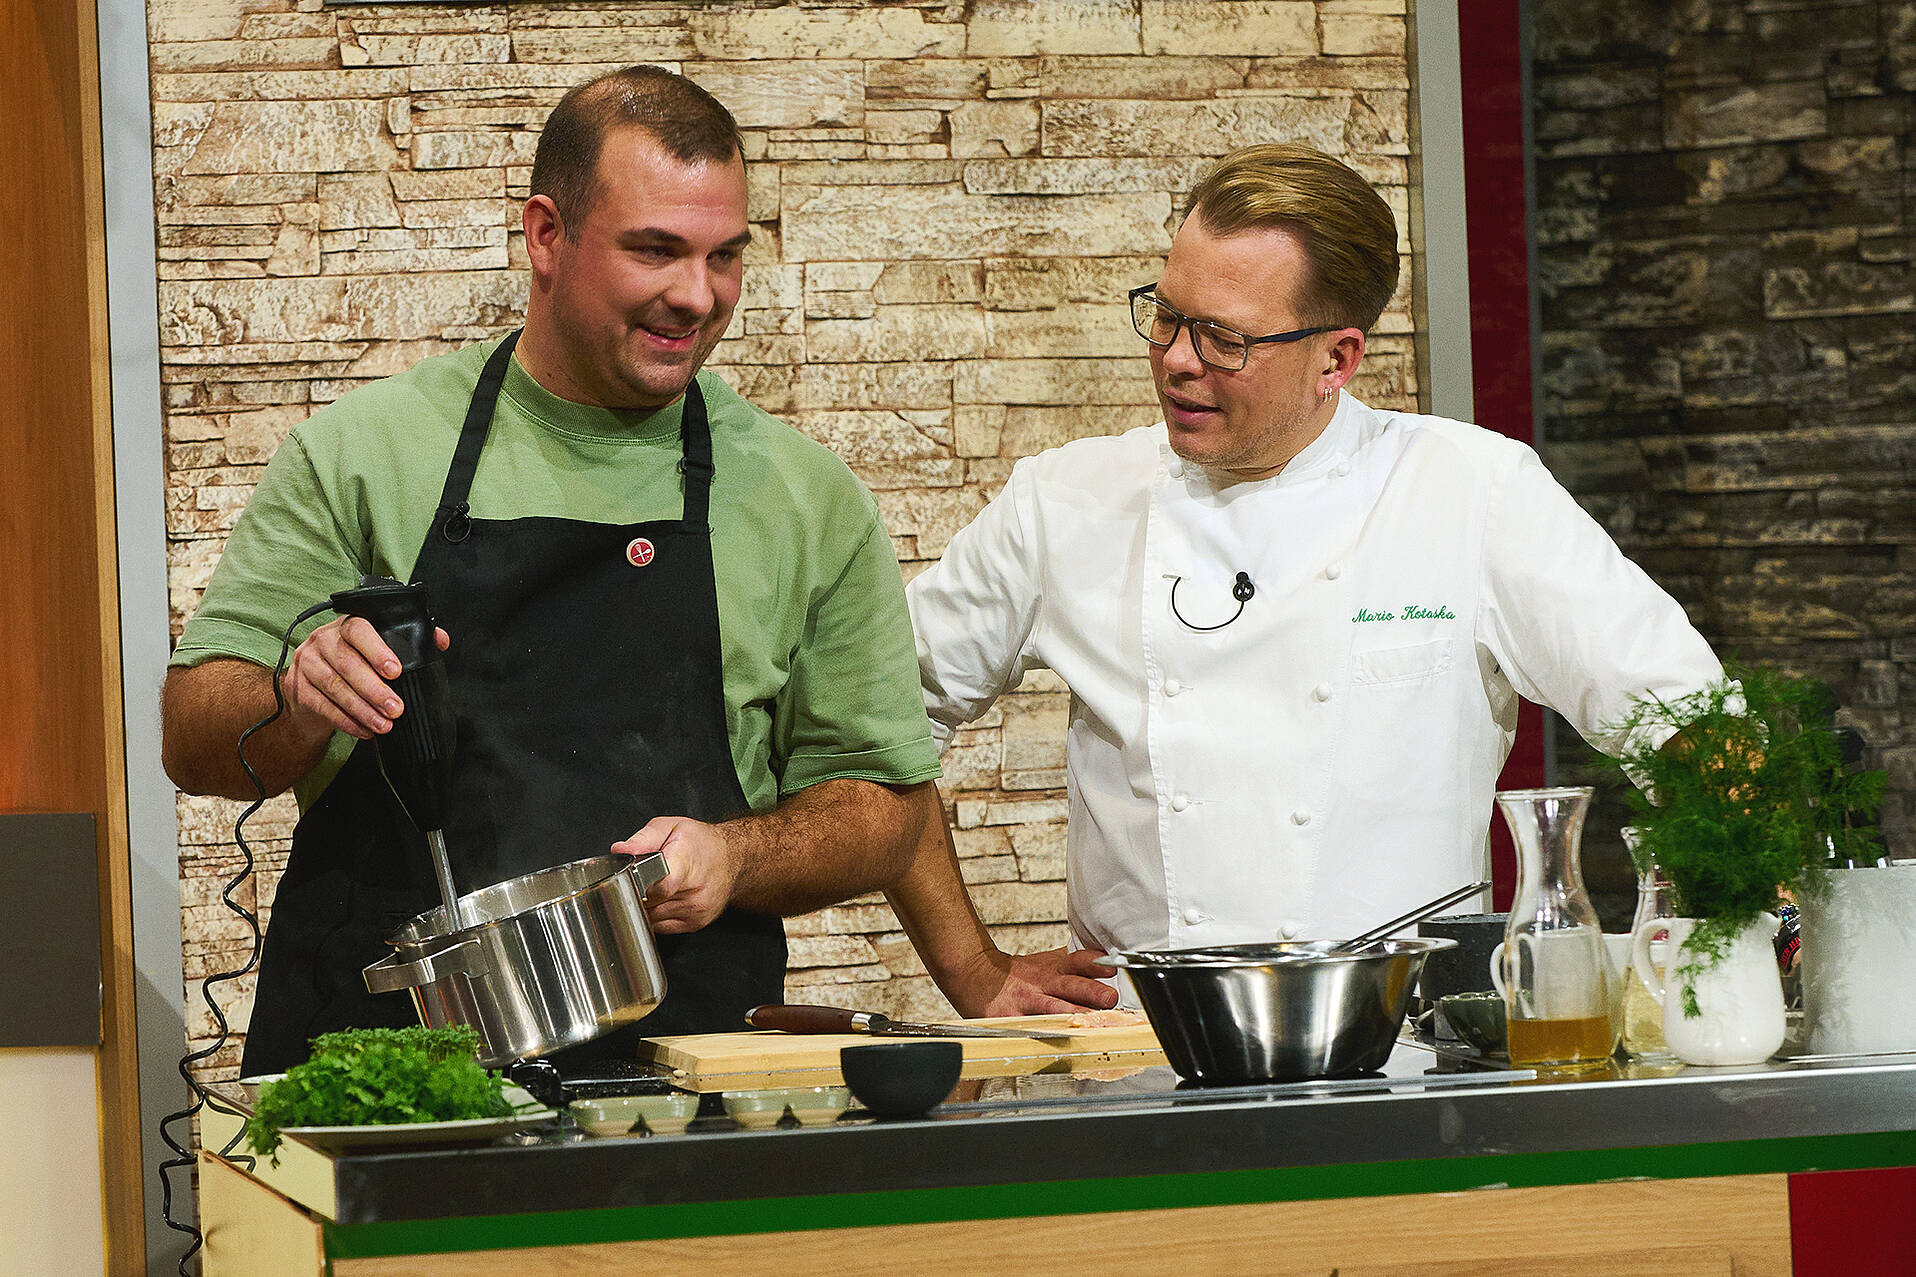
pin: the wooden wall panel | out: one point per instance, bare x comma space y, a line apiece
53, 755
64, 748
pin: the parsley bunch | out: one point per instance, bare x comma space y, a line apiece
368, 1077
1751, 795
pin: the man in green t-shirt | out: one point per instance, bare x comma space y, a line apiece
670, 622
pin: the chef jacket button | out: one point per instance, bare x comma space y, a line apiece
1333, 570
1180, 801
1322, 692
1300, 817
1290, 928
1172, 687
1177, 469
1343, 468
1192, 916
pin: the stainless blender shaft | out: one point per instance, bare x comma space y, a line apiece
442, 867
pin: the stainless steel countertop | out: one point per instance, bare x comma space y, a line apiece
1420, 1126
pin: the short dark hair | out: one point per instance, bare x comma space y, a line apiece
1343, 225
691, 125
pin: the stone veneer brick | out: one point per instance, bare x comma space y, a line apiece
950, 202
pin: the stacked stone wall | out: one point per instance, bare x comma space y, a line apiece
949, 199
1726, 224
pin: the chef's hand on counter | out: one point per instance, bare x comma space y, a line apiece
1054, 980
331, 683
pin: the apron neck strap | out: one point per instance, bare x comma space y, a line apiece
453, 519
695, 461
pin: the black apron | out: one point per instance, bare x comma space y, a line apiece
588, 680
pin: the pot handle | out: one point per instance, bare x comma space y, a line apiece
391, 974
648, 870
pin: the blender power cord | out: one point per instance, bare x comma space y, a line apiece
183, 1155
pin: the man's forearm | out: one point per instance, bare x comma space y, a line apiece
204, 709
826, 843
933, 905
964, 960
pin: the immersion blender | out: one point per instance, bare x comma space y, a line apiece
415, 757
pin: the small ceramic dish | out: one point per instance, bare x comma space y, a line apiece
811, 1105
1478, 1019
756, 1110
818, 1105
623, 1114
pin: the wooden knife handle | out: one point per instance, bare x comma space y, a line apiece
809, 1019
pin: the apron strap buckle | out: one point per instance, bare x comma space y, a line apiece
457, 524
697, 469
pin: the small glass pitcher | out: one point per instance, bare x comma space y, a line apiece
1553, 969
1642, 1018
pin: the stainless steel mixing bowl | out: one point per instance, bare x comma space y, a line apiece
1285, 1012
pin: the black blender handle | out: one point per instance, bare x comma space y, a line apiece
416, 756
399, 612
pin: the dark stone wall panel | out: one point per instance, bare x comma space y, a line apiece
1566, 33
1726, 265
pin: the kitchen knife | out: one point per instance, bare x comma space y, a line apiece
810, 1019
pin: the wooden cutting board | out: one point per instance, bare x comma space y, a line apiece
758, 1059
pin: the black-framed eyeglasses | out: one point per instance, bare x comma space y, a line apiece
1225, 349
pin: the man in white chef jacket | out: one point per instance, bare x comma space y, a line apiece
1294, 628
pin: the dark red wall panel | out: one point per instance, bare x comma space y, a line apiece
1853, 1223
1492, 56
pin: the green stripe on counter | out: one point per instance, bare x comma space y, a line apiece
1123, 1193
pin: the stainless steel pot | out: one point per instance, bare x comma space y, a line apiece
1283, 1012
552, 959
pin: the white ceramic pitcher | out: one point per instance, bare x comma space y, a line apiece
1740, 995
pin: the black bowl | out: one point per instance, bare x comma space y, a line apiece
901, 1079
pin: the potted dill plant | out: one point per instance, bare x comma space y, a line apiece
1744, 795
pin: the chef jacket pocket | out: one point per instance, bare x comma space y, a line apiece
1411, 663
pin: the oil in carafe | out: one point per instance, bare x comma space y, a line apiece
1642, 1022
1556, 1043
1642, 1014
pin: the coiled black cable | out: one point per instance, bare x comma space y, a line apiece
1242, 589
183, 1155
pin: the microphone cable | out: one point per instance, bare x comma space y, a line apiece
1242, 589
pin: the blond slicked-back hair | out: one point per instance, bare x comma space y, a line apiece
1346, 231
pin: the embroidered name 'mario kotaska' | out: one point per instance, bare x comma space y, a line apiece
1408, 612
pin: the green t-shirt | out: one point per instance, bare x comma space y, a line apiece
821, 676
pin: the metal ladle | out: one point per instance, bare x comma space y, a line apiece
1363, 941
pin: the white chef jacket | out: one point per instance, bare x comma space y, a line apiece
1326, 760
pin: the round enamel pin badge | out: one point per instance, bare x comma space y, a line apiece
638, 552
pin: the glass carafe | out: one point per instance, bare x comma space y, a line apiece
1555, 969
1642, 1017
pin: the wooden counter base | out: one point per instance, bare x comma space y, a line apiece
1737, 1226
